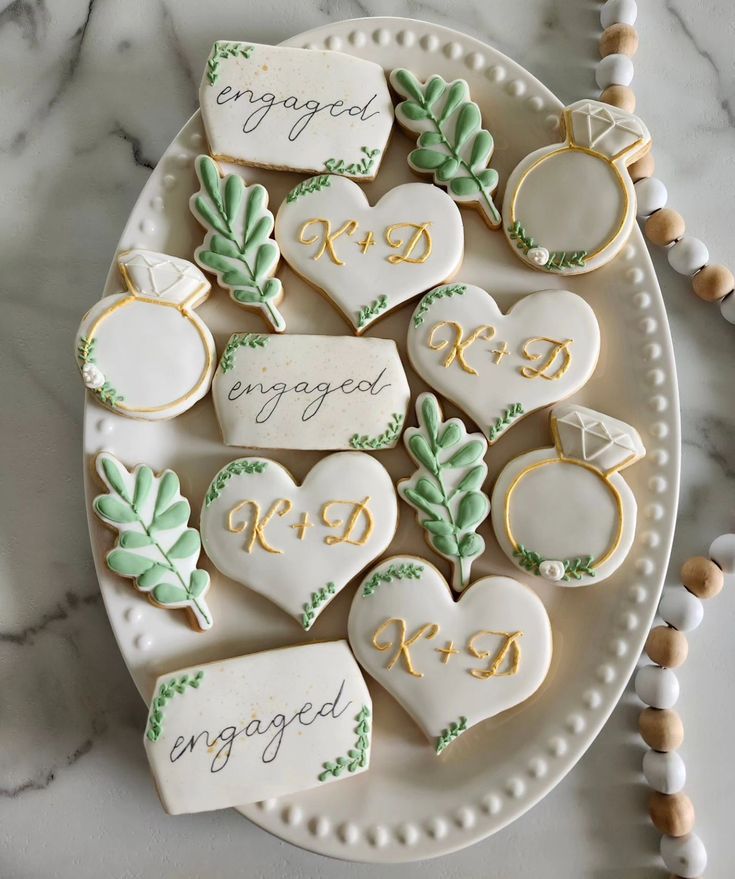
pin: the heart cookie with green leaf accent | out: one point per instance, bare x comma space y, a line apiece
369, 260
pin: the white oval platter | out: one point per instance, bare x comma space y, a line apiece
412, 804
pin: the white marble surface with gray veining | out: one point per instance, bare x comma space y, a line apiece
91, 92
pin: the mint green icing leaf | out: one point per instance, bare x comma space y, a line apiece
435, 88
445, 544
429, 491
482, 149
256, 204
271, 289
414, 111
234, 189
209, 176
448, 169
220, 263
464, 186
438, 526
408, 84
110, 508
430, 415
134, 540
474, 479
223, 247
426, 160
114, 476
186, 545
451, 436
489, 178
418, 501
210, 216
143, 483
198, 583
168, 593
419, 448
153, 576
429, 138
472, 510
175, 515
457, 94
471, 545
266, 259
468, 122
468, 454
128, 564
168, 488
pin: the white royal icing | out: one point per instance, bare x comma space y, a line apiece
450, 664
298, 545
368, 260
569, 505
575, 201
295, 109
258, 726
145, 353
310, 392
490, 377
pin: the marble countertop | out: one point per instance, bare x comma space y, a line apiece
91, 92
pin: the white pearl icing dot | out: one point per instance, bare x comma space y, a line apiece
680, 609
665, 771
551, 570
657, 687
614, 69
688, 255
685, 856
539, 256
652, 195
618, 12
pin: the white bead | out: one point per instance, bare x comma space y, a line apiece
727, 307
614, 70
657, 687
652, 195
685, 856
722, 552
622, 11
680, 609
688, 255
665, 771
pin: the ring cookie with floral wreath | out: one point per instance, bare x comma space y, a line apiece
299, 545
145, 353
255, 727
289, 109
499, 367
450, 664
369, 260
566, 514
569, 207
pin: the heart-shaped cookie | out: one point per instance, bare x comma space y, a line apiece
498, 367
450, 664
298, 545
369, 260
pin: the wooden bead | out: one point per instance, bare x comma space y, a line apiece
667, 647
713, 283
644, 167
661, 730
672, 814
702, 577
664, 227
621, 96
619, 39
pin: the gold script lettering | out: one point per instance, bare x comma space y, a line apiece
420, 235
556, 351
428, 631
460, 344
510, 643
279, 507
349, 227
359, 509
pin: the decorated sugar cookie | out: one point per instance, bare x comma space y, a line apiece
452, 144
298, 545
499, 367
446, 490
369, 260
310, 392
569, 207
566, 514
238, 247
145, 353
295, 109
155, 546
260, 726
450, 664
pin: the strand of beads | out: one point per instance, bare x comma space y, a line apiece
671, 810
663, 226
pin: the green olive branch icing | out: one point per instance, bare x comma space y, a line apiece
155, 548
389, 437
515, 410
166, 692
318, 598
237, 341
452, 732
313, 184
357, 757
238, 246
574, 568
431, 297
222, 50
86, 354
453, 514
406, 571
361, 168
457, 150
234, 468
558, 259
369, 312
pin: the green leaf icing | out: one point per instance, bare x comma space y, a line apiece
313, 184
407, 571
356, 169
368, 313
574, 568
238, 247
515, 410
166, 692
558, 259
431, 297
452, 732
357, 756
237, 341
451, 143
155, 548
222, 50
235, 468
446, 489
86, 354
318, 598
388, 438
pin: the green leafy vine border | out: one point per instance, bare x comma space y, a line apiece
357, 757
237, 341
514, 411
574, 568
431, 297
389, 437
313, 184
234, 468
558, 259
450, 733
86, 354
166, 692
369, 312
222, 50
318, 598
406, 571
361, 168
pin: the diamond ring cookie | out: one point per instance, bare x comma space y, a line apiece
566, 514
569, 207
499, 367
450, 664
145, 353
